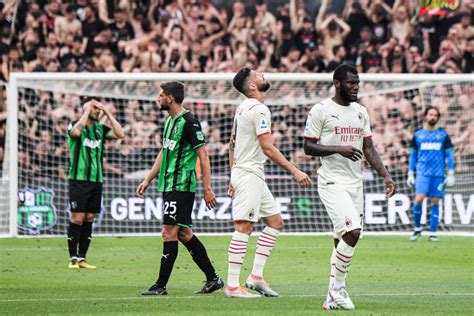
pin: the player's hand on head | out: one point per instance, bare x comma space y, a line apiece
141, 188
302, 178
87, 106
391, 186
350, 152
210, 198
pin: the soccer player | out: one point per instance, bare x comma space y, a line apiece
250, 142
429, 149
183, 143
338, 131
86, 146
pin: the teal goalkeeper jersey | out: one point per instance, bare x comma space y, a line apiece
182, 135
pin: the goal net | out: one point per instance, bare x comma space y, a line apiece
42, 105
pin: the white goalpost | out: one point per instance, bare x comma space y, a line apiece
33, 194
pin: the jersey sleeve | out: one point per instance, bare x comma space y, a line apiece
413, 144
69, 127
261, 120
314, 123
367, 132
192, 133
447, 143
106, 130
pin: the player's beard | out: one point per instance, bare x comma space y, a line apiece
264, 86
346, 96
164, 105
432, 122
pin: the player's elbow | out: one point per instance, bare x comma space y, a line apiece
268, 151
120, 134
75, 133
306, 148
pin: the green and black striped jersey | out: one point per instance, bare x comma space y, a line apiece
86, 153
182, 135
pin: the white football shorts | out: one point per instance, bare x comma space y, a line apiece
252, 197
345, 207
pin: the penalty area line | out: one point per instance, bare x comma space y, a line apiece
167, 297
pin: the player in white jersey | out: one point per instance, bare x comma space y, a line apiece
338, 131
251, 143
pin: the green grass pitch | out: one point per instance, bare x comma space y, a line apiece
389, 276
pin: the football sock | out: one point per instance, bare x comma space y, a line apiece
236, 252
265, 243
85, 239
73, 235
344, 254
417, 215
199, 254
332, 262
170, 252
434, 218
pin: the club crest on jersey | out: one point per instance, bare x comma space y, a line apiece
175, 130
348, 222
98, 133
199, 136
360, 116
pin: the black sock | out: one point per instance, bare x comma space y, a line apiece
73, 235
85, 240
198, 252
170, 252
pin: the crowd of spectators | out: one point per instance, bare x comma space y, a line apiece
378, 36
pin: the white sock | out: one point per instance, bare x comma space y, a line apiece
344, 254
265, 243
236, 252
332, 274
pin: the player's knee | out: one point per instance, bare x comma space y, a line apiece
244, 228
185, 235
168, 235
77, 218
352, 237
419, 200
278, 225
434, 201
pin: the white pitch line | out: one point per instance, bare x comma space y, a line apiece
133, 298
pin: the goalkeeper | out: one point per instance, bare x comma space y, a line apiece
430, 148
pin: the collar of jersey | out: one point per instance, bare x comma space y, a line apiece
179, 115
431, 131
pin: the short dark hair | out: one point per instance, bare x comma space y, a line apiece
432, 108
174, 89
240, 79
340, 73
70, 8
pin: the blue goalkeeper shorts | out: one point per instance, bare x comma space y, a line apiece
429, 186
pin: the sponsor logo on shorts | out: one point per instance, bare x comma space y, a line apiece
348, 222
73, 205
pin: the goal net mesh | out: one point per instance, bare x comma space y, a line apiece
46, 107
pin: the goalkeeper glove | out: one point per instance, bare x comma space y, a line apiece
411, 179
450, 179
